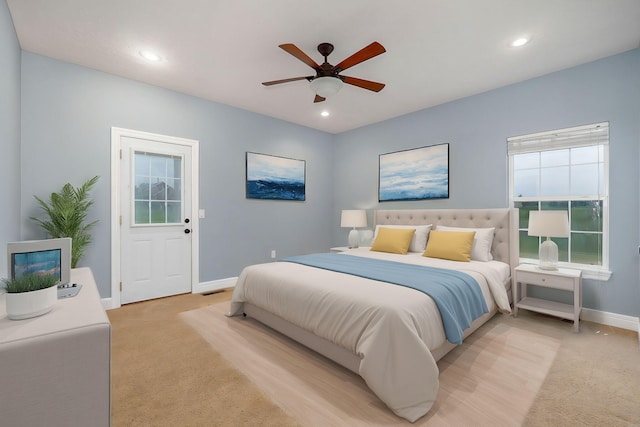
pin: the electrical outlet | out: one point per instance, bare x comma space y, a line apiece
273, 253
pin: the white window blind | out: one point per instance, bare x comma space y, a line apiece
579, 136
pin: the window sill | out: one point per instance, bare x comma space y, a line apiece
602, 275
588, 271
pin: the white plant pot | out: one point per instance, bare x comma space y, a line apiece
25, 305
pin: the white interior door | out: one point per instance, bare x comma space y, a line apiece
156, 219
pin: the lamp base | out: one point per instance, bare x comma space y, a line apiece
548, 255
354, 238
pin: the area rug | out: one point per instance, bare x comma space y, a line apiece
491, 379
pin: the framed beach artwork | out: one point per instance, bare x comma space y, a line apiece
275, 178
416, 174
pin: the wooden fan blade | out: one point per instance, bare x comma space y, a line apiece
368, 52
295, 51
365, 84
318, 98
293, 79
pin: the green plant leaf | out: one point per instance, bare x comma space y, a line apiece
29, 283
66, 213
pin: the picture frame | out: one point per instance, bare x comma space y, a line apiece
414, 174
274, 177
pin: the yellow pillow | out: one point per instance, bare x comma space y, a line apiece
393, 240
452, 245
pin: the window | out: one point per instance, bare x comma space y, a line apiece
158, 189
564, 169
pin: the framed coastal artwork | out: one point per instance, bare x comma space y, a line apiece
274, 177
416, 174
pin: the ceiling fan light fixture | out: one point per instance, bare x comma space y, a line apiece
326, 86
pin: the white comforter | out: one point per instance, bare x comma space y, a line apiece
391, 328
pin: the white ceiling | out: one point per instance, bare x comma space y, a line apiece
221, 50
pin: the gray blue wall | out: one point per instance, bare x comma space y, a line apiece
10, 134
67, 115
477, 128
58, 130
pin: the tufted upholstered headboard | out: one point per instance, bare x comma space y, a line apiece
505, 221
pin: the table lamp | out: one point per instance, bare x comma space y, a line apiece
548, 224
353, 218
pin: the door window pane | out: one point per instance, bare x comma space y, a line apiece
158, 165
173, 189
157, 189
141, 164
142, 188
158, 213
176, 168
173, 212
142, 212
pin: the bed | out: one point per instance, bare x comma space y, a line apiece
392, 336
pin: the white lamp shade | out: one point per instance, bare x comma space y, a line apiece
549, 223
326, 86
353, 218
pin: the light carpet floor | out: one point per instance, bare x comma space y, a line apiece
164, 373
492, 379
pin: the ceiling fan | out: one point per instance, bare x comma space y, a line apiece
328, 79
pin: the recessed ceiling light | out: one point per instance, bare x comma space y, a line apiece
520, 41
150, 56
325, 114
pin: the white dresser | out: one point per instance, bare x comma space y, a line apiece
55, 369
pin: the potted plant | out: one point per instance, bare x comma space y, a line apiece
30, 295
67, 211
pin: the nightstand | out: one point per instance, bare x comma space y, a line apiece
339, 249
563, 278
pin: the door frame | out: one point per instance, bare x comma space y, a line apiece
116, 135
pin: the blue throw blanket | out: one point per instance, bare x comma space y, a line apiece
457, 295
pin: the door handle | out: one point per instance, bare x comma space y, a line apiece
187, 231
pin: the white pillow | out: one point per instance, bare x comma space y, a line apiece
419, 239
481, 249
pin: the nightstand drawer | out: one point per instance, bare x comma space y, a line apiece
547, 280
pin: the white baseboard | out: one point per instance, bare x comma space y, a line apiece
201, 288
214, 285
611, 319
107, 303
